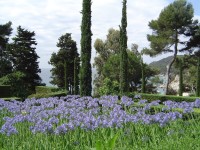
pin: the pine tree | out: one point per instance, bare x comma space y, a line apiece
24, 58
193, 46
86, 38
172, 23
63, 63
5, 64
123, 52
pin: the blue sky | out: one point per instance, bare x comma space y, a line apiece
52, 18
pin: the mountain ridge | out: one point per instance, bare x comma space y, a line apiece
161, 65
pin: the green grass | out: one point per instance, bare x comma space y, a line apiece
11, 98
178, 135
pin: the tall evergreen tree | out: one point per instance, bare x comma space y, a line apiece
86, 38
63, 64
5, 64
24, 58
123, 52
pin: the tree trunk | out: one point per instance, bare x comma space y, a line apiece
65, 73
171, 63
181, 77
143, 79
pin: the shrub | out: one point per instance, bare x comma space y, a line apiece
109, 87
45, 92
45, 89
46, 95
5, 91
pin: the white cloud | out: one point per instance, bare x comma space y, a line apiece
52, 18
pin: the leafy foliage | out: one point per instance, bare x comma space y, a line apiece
105, 49
16, 81
24, 59
65, 62
111, 70
109, 87
193, 45
5, 64
174, 21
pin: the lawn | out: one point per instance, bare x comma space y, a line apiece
84, 123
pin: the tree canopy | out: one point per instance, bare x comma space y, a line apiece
25, 59
105, 49
5, 64
65, 62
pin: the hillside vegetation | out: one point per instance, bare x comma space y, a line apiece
161, 65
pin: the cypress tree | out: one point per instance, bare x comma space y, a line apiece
198, 78
123, 52
76, 79
86, 39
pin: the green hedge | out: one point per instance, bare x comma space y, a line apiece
162, 98
46, 95
5, 91
45, 89
45, 92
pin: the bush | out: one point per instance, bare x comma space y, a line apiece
46, 95
109, 87
5, 91
45, 89
45, 92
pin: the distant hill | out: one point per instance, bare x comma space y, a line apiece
161, 65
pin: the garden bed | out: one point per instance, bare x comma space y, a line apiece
74, 122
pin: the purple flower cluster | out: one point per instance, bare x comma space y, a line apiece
186, 106
60, 115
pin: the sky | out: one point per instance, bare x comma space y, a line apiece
51, 19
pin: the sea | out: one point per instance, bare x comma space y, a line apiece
46, 76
